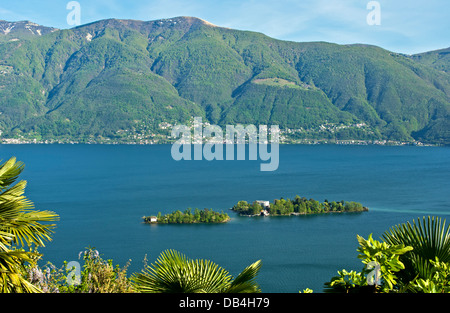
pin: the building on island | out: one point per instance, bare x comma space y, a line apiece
265, 204
150, 219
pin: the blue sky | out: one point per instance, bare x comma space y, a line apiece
409, 27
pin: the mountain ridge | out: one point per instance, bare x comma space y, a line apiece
205, 22
23, 27
113, 76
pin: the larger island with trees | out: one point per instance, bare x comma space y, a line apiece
297, 206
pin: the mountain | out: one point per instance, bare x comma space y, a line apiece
127, 79
22, 29
438, 59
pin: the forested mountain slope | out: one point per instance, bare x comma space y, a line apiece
122, 78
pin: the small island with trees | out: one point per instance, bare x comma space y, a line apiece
205, 216
297, 206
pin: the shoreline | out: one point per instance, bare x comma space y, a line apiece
149, 143
182, 223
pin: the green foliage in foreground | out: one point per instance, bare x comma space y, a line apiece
20, 226
438, 281
98, 276
381, 263
412, 258
429, 238
173, 272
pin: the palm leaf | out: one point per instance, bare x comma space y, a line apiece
9, 171
20, 225
245, 281
429, 239
173, 272
27, 228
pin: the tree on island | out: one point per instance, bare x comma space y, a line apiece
300, 205
187, 217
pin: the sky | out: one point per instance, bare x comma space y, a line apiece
401, 26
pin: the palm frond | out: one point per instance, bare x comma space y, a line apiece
429, 238
245, 282
20, 225
173, 272
9, 171
27, 228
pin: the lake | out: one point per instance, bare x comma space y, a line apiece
101, 193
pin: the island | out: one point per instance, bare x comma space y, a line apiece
205, 216
297, 206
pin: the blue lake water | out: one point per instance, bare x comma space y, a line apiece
101, 193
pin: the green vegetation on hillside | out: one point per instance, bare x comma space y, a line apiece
109, 80
409, 258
